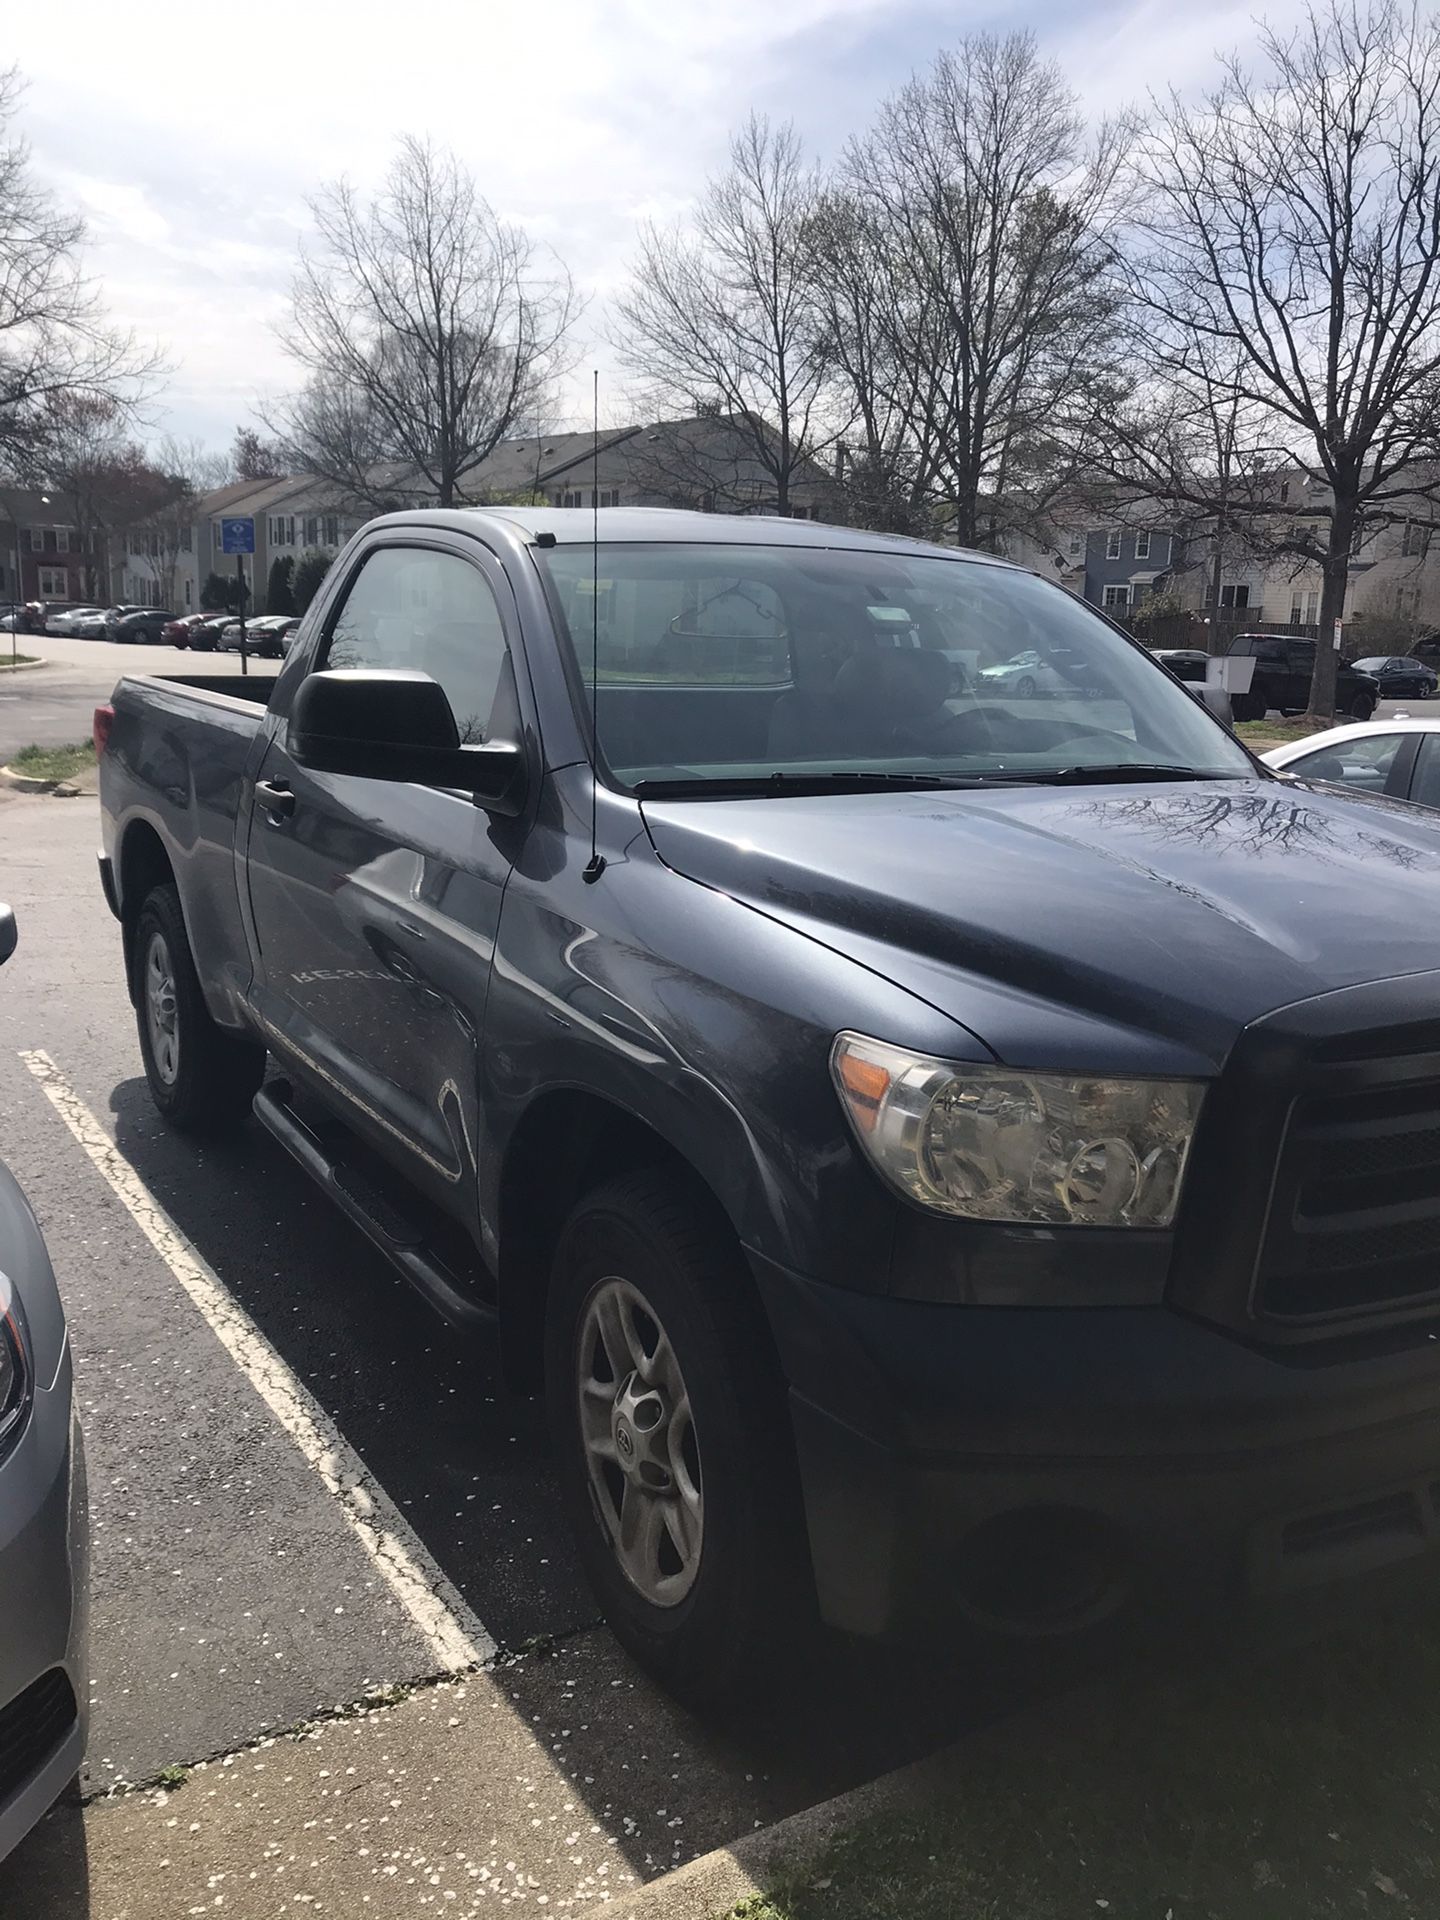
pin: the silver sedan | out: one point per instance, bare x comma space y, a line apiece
44, 1528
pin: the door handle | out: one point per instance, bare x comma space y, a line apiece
276, 799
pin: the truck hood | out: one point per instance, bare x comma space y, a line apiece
1098, 927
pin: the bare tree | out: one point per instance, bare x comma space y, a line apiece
55, 343
107, 482
426, 329
968, 285
1287, 276
720, 320
190, 469
252, 457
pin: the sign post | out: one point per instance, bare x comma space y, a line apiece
237, 536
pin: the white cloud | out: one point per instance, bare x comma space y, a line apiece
191, 139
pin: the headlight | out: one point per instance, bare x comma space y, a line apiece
12, 1366
1031, 1149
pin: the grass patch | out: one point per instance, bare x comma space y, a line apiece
1259, 734
55, 763
1304, 1789
8, 660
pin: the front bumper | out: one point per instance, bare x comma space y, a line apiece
1039, 1470
44, 1580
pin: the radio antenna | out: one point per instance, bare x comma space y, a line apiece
596, 866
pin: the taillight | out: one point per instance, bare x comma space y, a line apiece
100, 728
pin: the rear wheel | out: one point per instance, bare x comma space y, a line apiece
670, 1422
201, 1077
1247, 706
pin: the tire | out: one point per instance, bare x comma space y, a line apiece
202, 1079
1360, 706
1025, 687
720, 1586
1246, 706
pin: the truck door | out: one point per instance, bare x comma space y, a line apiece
375, 904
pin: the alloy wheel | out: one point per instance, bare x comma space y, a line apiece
641, 1450
161, 1014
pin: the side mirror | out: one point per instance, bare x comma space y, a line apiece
398, 726
9, 932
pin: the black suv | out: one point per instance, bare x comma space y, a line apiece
1284, 667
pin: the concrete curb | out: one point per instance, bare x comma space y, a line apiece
718, 1881
708, 1887
63, 789
25, 666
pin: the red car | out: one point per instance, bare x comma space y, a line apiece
177, 632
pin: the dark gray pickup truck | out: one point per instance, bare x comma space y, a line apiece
969, 1153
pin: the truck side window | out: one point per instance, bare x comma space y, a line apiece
411, 607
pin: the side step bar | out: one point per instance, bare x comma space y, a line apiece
396, 1236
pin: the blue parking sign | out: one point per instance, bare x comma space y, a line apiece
237, 536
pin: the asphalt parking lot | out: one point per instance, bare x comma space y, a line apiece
234, 1597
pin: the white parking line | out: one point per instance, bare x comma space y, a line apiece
454, 1633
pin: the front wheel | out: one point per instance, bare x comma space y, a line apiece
1360, 706
669, 1418
1025, 687
201, 1077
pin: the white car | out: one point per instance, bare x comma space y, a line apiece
1398, 759
69, 621
1024, 675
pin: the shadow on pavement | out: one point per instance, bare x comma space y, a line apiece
48, 1875
468, 1466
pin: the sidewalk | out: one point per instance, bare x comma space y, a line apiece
556, 1781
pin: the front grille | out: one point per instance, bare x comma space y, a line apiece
1354, 1218
32, 1727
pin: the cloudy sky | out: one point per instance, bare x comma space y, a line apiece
191, 136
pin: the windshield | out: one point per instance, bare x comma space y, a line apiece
718, 664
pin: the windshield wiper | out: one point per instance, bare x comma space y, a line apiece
1121, 770
748, 786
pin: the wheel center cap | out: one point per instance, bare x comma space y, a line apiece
624, 1439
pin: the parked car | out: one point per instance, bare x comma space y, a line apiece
1024, 675
67, 623
263, 635
1284, 667
178, 631
142, 625
896, 1130
44, 1528
1397, 759
1186, 663
1399, 676
205, 634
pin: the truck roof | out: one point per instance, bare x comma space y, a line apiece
575, 526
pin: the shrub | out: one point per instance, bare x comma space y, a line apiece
309, 572
279, 595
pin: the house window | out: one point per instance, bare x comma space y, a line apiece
1235, 595
1077, 545
62, 539
571, 500
282, 529
1142, 544
1118, 596
1284, 491
50, 540
54, 583
1304, 606
1112, 545
1416, 543
332, 530
312, 530
185, 538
